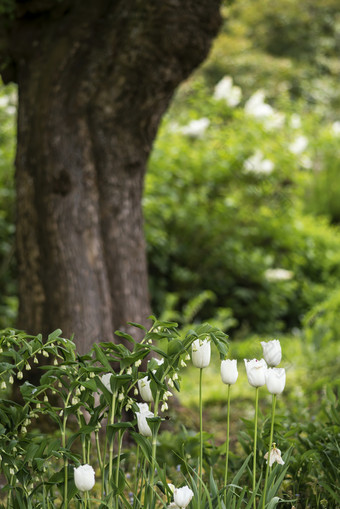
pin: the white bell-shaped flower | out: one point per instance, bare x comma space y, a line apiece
275, 455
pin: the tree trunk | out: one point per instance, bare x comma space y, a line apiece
94, 81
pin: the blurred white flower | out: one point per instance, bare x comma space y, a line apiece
256, 107
295, 121
275, 121
306, 162
195, 128
84, 477
278, 274
258, 165
4, 101
256, 372
229, 371
200, 353
275, 455
299, 145
230, 93
275, 380
145, 390
336, 128
272, 352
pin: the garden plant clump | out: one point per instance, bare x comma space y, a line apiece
105, 413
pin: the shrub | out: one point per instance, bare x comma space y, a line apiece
225, 213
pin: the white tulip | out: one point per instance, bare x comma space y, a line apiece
84, 477
256, 372
229, 371
275, 455
275, 380
183, 496
272, 352
144, 389
143, 426
200, 353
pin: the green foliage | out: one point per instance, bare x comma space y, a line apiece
315, 464
8, 301
77, 396
322, 325
245, 223
288, 47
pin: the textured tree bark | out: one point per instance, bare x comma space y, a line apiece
94, 81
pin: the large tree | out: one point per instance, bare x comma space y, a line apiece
94, 79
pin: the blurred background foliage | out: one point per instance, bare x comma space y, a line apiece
8, 299
242, 204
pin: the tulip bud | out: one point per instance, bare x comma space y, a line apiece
144, 389
256, 372
200, 353
275, 380
84, 477
272, 352
183, 496
229, 371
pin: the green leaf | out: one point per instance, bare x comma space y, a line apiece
101, 357
144, 444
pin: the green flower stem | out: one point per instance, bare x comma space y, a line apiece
63, 441
136, 476
111, 421
120, 440
83, 440
85, 499
269, 450
200, 466
227, 451
9, 497
154, 447
255, 442
100, 461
